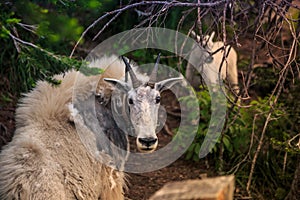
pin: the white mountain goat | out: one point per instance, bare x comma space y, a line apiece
228, 65
47, 159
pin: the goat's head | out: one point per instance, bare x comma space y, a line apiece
207, 41
142, 101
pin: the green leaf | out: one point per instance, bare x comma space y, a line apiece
4, 33
94, 4
13, 20
197, 148
191, 148
189, 155
196, 158
227, 143
44, 11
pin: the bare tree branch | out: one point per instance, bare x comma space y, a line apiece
144, 3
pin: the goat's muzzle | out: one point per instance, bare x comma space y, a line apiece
147, 144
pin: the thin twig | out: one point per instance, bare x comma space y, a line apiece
292, 139
31, 28
224, 59
18, 40
167, 129
107, 24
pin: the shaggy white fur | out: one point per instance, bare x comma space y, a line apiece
46, 158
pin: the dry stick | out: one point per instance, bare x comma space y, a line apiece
284, 162
257, 25
151, 18
174, 113
188, 34
165, 11
237, 96
282, 80
31, 28
190, 70
258, 150
271, 44
227, 114
18, 40
290, 59
232, 24
284, 68
183, 44
199, 23
168, 130
293, 138
143, 3
107, 24
181, 22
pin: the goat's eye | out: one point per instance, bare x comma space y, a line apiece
157, 99
130, 101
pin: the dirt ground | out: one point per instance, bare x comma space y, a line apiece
142, 186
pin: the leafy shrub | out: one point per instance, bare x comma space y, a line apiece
240, 140
35, 40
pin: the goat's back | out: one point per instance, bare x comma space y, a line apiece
46, 159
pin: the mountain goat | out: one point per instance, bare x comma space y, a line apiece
47, 159
228, 65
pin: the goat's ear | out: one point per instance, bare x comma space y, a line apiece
166, 84
211, 37
194, 35
119, 84
210, 42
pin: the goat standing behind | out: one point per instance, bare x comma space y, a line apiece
211, 69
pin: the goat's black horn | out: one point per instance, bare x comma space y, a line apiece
153, 76
135, 82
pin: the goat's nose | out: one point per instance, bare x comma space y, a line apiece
147, 141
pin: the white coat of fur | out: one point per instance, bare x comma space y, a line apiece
211, 69
46, 158
229, 65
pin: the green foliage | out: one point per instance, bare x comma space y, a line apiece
38, 36
33, 64
53, 27
240, 141
30, 33
204, 105
89, 71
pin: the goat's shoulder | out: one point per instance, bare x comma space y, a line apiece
46, 101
